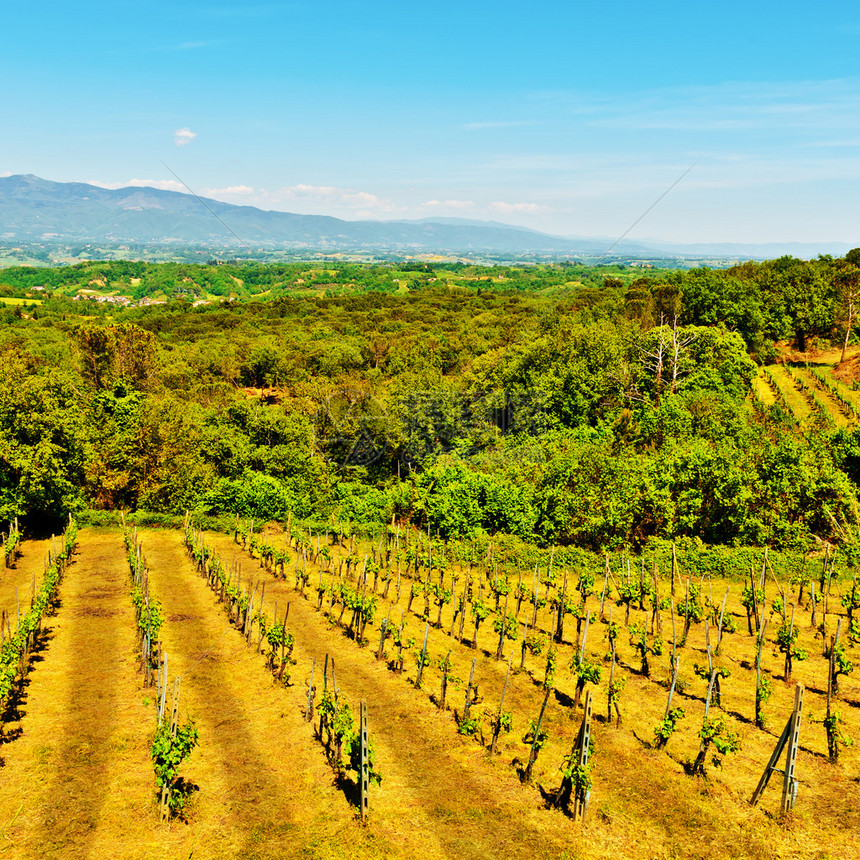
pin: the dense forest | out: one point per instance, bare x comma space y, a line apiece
599, 407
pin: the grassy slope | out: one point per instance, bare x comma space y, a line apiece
16, 581
762, 390
265, 789
830, 404
796, 401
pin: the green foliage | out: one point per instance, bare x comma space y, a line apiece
343, 742
841, 664
665, 729
535, 643
639, 640
471, 726
44, 440
11, 544
786, 639
551, 666
764, 691
15, 646
704, 672
724, 739
528, 409
167, 752
616, 688
836, 738
535, 738
508, 625
585, 671
579, 775
691, 607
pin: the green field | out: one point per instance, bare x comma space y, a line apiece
8, 300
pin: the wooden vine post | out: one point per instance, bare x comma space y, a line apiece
699, 764
831, 718
576, 782
759, 717
789, 738
583, 787
364, 763
536, 740
497, 726
423, 656
470, 695
309, 710
174, 720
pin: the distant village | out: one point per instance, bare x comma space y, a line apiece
127, 302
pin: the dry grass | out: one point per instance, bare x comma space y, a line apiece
16, 581
78, 781
762, 390
643, 802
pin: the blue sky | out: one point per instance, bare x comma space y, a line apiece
571, 118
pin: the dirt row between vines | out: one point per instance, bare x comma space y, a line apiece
76, 780
16, 581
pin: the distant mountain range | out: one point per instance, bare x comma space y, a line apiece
38, 210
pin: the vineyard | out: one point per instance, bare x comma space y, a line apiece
810, 394
250, 659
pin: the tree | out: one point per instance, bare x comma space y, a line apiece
847, 280
43, 440
109, 354
799, 298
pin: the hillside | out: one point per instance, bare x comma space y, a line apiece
32, 208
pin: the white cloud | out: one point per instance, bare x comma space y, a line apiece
183, 136
229, 190
450, 204
519, 208
347, 197
163, 184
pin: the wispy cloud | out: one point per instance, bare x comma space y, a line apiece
229, 191
361, 201
183, 136
162, 184
190, 45
519, 208
853, 143
252, 10
810, 107
449, 204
